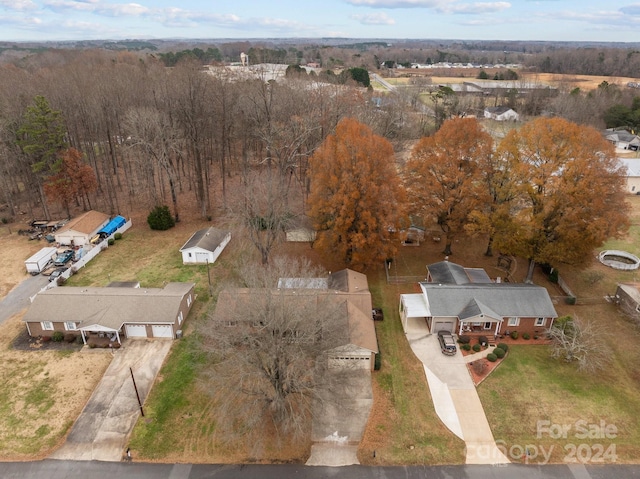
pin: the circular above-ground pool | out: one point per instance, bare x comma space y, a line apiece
619, 259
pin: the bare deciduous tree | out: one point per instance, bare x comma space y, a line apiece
582, 342
268, 348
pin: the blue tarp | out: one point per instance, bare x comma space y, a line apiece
112, 225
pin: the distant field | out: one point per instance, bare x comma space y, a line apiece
584, 82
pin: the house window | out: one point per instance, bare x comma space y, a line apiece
189, 255
70, 326
514, 321
633, 188
46, 325
540, 321
188, 301
180, 317
487, 325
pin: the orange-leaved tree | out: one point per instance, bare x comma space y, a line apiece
571, 193
356, 199
443, 176
74, 179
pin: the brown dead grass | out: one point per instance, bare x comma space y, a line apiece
43, 393
14, 250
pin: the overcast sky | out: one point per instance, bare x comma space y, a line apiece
559, 20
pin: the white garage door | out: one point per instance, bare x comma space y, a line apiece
136, 331
350, 362
162, 331
443, 326
201, 257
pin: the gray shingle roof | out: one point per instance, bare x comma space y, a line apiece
445, 272
109, 307
208, 239
505, 299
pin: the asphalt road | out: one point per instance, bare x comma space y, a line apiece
52, 469
18, 297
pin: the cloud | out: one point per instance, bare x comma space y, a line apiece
475, 8
22, 21
19, 5
98, 7
631, 9
374, 19
399, 3
442, 6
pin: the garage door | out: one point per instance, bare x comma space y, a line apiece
136, 331
201, 257
162, 331
443, 326
350, 362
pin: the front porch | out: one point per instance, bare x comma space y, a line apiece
100, 336
489, 327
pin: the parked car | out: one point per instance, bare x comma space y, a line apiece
63, 258
447, 343
56, 273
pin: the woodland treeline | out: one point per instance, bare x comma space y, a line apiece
149, 132
241, 146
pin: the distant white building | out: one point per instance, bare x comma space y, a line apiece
501, 113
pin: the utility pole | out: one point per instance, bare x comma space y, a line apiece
137, 394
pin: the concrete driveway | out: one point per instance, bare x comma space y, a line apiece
455, 398
340, 417
102, 429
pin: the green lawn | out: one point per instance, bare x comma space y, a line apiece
530, 394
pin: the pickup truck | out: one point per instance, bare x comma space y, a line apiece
63, 258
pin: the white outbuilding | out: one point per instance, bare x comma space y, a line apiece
205, 246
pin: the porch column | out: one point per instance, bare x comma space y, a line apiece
118, 338
84, 340
497, 329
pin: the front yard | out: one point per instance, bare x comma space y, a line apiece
42, 394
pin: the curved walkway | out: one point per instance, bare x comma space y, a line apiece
455, 398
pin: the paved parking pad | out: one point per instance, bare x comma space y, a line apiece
102, 429
340, 417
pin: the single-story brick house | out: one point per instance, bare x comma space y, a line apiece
116, 312
461, 300
205, 246
81, 229
344, 293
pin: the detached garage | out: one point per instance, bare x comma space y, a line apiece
113, 312
80, 230
205, 246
